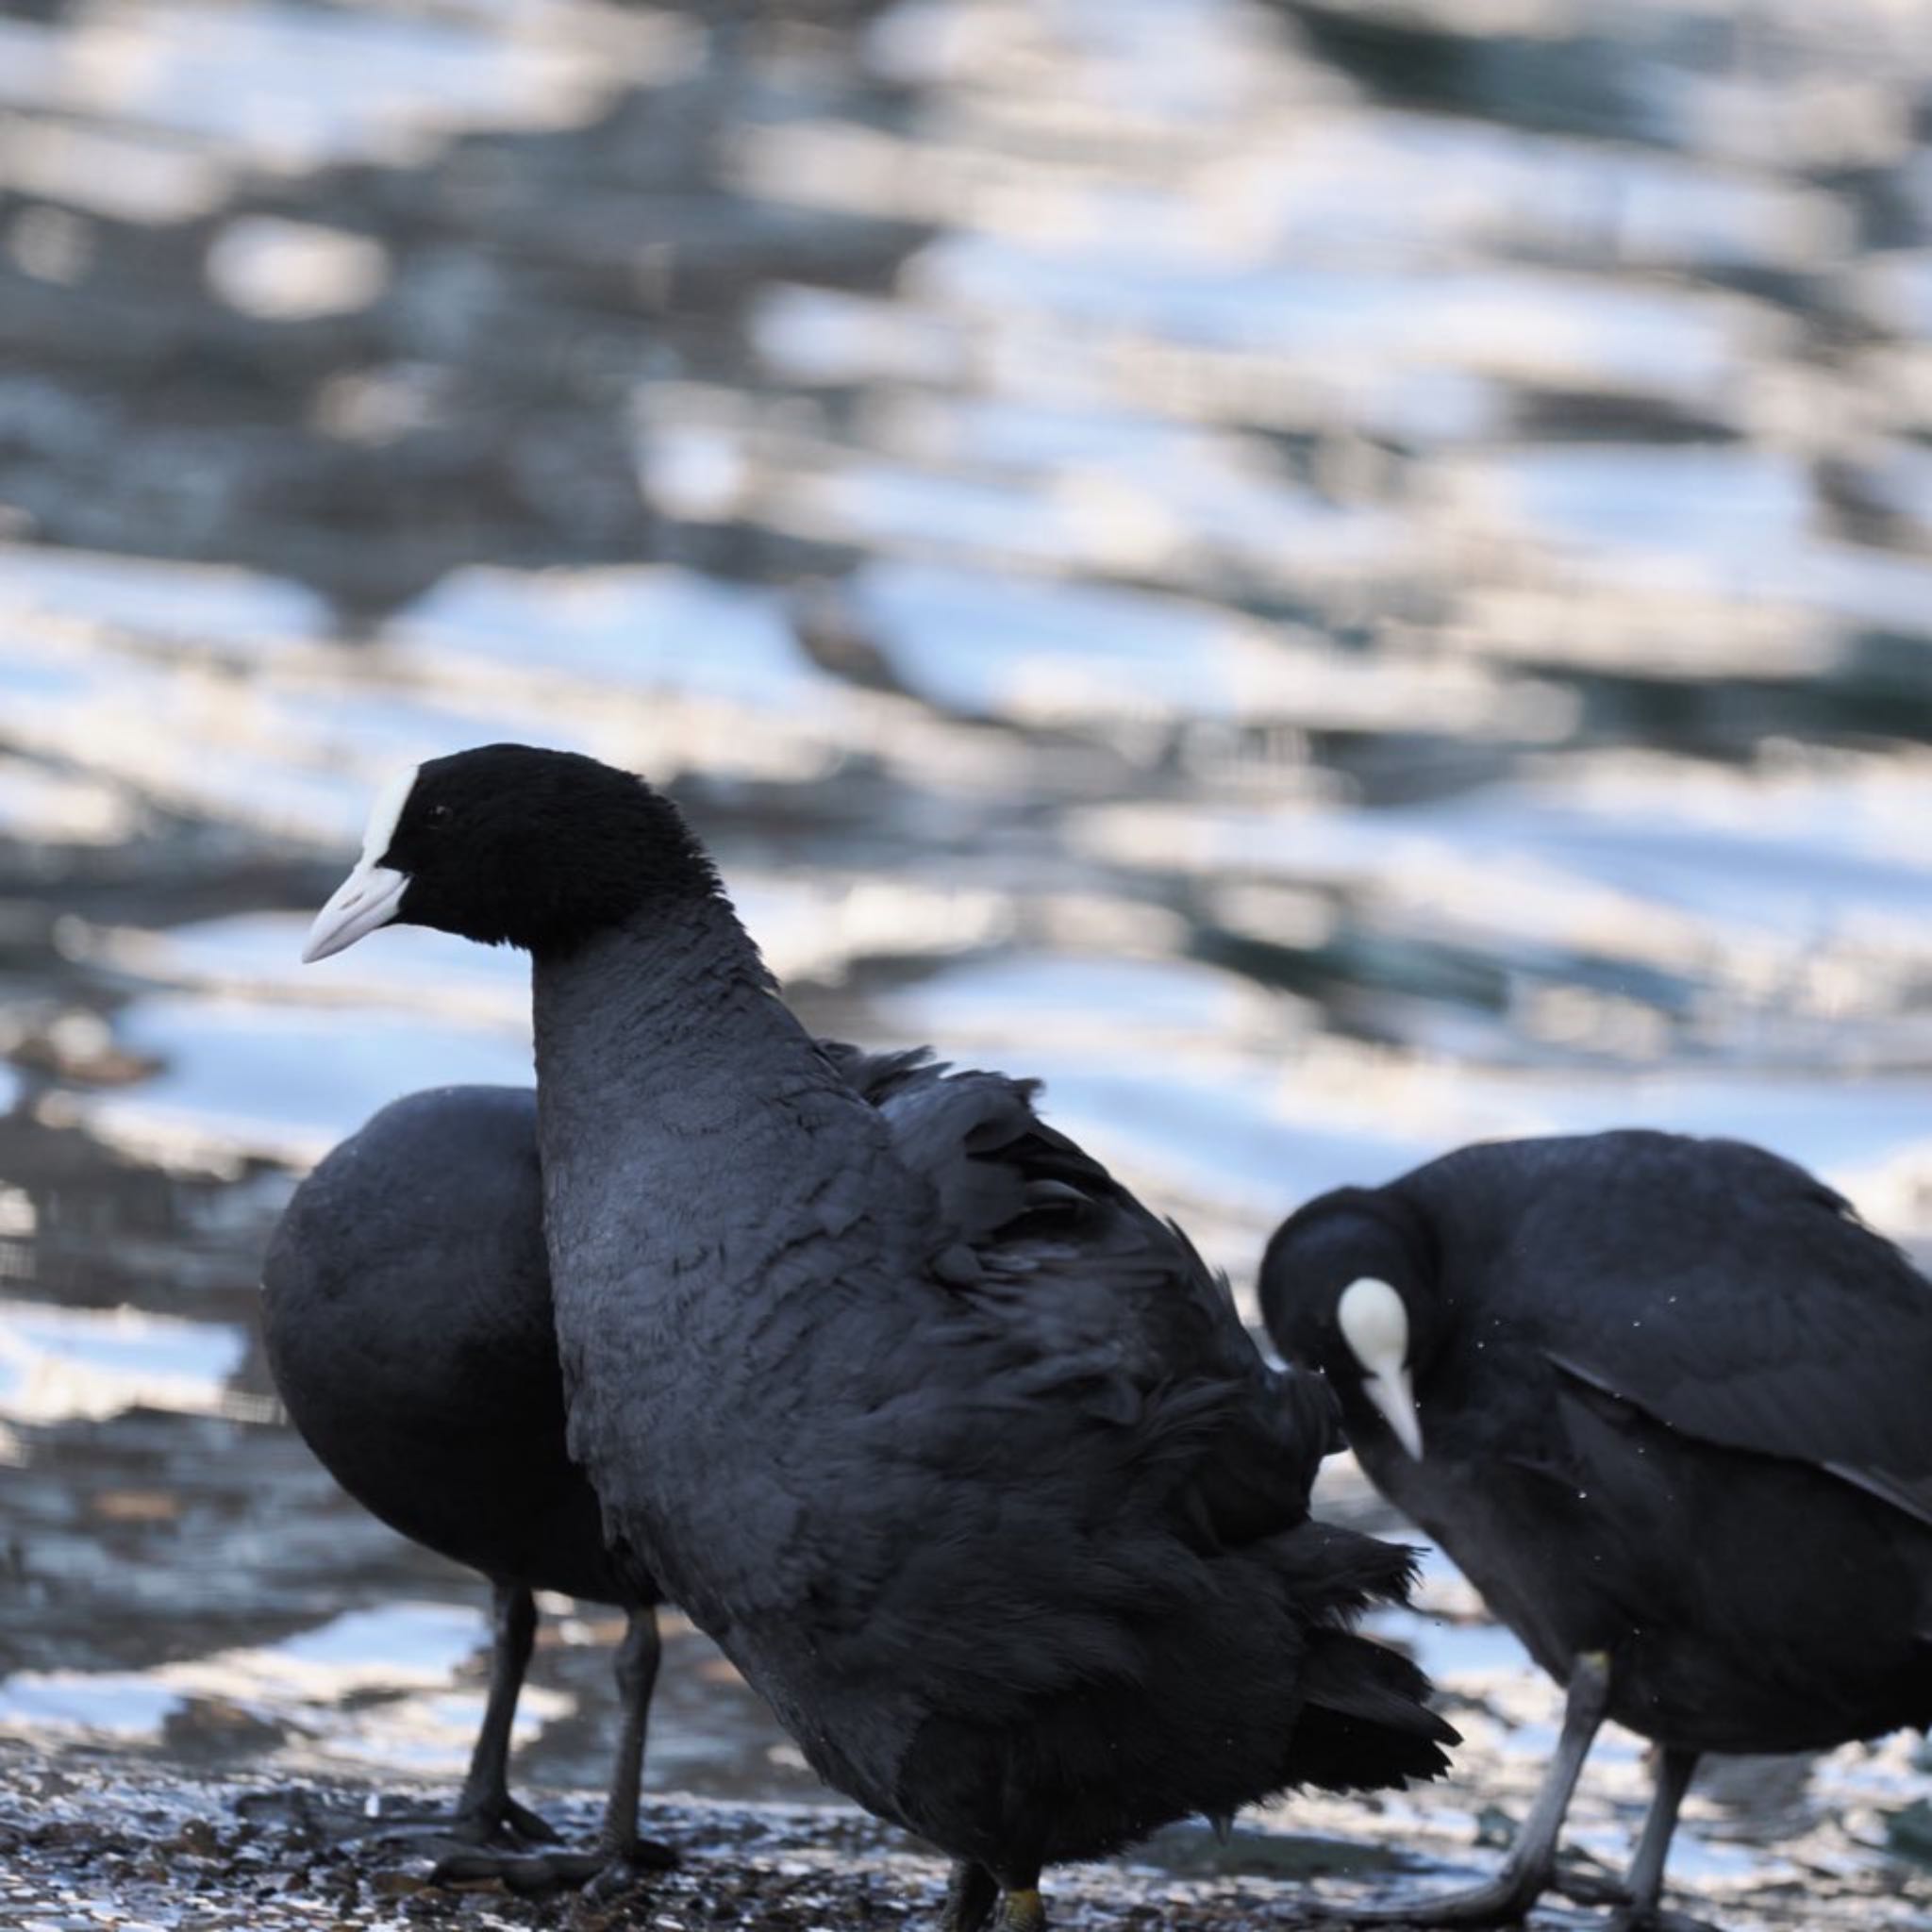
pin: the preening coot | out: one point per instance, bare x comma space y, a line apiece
1668, 1404
407, 1315
407, 1309
962, 1455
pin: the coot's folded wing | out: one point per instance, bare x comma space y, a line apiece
1725, 1291
1098, 1302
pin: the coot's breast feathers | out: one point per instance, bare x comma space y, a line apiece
1725, 1291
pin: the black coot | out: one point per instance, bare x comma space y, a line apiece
407, 1307
408, 1314
962, 1455
1668, 1404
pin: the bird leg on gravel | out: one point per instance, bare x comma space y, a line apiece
971, 1894
1647, 1868
1527, 1873
628, 1857
486, 1812
621, 1857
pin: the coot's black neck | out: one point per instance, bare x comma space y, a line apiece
673, 1001
692, 1133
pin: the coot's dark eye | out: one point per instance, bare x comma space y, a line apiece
440, 816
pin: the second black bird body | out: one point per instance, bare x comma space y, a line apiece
406, 1306
410, 1327
1666, 1404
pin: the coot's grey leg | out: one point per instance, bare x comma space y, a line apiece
621, 1855
1526, 1873
485, 1809
485, 1801
626, 1854
970, 1895
1646, 1880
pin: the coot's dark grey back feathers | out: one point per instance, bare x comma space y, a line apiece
1085, 1292
1755, 1310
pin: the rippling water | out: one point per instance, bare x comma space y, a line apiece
1332, 578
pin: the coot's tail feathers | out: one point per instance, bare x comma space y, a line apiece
1336, 1573
879, 1076
1364, 1725
1365, 1721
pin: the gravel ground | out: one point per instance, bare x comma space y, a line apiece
133, 1847
89, 1841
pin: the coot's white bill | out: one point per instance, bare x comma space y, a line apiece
1394, 1396
366, 899
1374, 1325
369, 895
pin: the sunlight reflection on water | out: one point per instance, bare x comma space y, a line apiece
1324, 625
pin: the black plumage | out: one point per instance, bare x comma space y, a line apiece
406, 1311
1673, 1407
960, 1453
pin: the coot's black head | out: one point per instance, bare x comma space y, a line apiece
1348, 1288
512, 846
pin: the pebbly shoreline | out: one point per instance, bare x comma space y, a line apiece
94, 1841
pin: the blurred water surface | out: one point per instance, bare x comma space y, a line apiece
1332, 578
